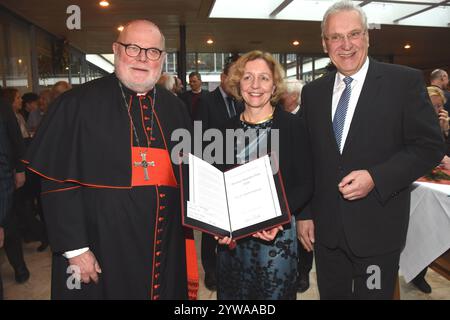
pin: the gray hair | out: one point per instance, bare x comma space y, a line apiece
294, 86
167, 81
344, 5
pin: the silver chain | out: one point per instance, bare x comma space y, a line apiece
152, 106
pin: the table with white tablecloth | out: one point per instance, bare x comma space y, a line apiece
429, 228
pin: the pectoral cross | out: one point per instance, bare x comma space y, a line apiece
144, 164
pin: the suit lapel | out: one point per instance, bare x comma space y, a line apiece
221, 105
365, 102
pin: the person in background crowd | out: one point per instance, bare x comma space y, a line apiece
439, 78
290, 101
191, 97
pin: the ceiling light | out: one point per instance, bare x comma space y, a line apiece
120, 28
296, 43
407, 46
19, 61
103, 4
209, 41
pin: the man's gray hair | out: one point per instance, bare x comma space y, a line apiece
344, 5
294, 86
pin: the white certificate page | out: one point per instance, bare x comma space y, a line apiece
207, 197
252, 196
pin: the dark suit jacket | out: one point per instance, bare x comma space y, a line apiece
213, 111
186, 97
394, 134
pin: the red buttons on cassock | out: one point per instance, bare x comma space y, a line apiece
160, 219
162, 195
162, 207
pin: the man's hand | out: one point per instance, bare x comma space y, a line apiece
2, 236
443, 120
19, 179
89, 267
356, 185
305, 233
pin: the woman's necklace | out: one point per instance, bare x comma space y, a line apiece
269, 117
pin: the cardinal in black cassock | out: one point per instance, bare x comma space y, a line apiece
109, 185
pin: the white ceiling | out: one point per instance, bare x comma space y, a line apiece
424, 13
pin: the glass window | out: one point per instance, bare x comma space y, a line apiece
191, 63
45, 60
205, 62
2, 57
170, 64
18, 62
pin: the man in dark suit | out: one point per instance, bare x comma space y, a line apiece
192, 97
215, 108
372, 132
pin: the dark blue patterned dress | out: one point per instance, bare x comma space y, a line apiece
256, 269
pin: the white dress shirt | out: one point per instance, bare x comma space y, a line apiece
356, 85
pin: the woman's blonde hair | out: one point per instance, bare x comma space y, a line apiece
237, 71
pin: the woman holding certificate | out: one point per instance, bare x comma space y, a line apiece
264, 265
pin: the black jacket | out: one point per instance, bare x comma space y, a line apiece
394, 135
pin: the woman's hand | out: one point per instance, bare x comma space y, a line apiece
268, 235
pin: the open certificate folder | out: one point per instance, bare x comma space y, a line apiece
237, 203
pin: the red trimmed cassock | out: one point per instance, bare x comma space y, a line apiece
99, 193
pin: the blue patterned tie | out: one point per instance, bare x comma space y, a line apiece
341, 111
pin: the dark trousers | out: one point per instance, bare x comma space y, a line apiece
208, 253
30, 228
342, 275
305, 259
13, 243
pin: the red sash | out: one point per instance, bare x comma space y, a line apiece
154, 165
